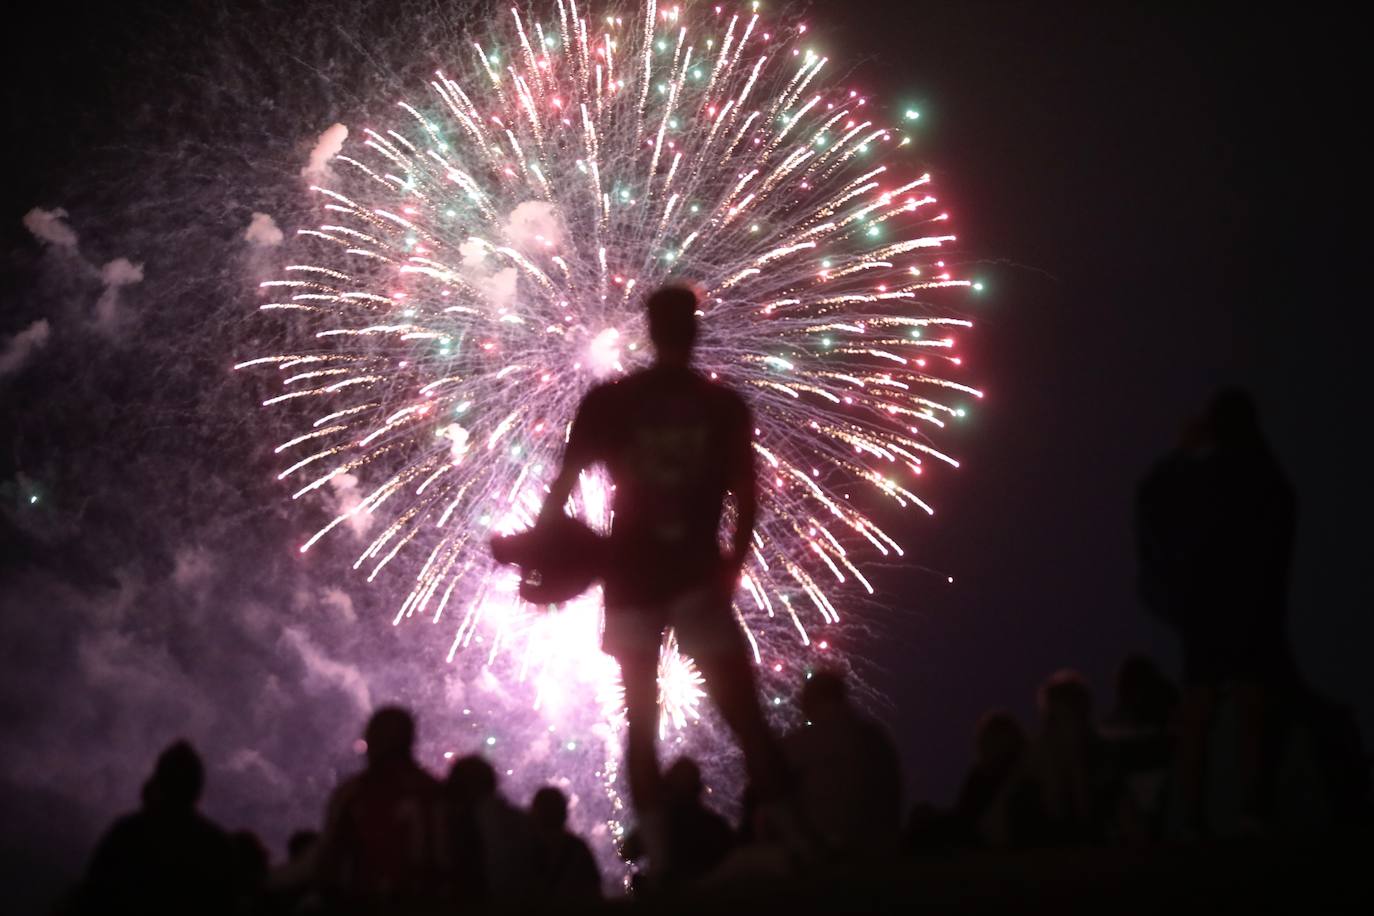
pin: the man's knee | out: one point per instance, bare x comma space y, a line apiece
729, 677
640, 679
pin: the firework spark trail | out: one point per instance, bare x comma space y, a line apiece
480, 263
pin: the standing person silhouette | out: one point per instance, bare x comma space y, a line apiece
1215, 523
675, 445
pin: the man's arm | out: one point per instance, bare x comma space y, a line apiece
578, 456
560, 491
742, 483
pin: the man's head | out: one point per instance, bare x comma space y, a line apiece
177, 779
673, 323
1066, 697
549, 809
682, 780
821, 693
1000, 738
390, 735
471, 779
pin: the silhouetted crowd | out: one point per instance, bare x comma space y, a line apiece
1241, 748
396, 839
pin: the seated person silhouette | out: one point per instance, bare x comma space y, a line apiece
846, 768
699, 839
1138, 738
987, 798
567, 870
1074, 784
491, 843
166, 857
380, 845
675, 446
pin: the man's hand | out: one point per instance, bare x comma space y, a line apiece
731, 571
559, 493
548, 512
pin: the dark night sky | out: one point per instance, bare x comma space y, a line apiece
1160, 200
1163, 195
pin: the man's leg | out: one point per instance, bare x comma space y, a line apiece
724, 664
1196, 714
1252, 708
639, 674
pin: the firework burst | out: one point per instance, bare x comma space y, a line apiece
481, 261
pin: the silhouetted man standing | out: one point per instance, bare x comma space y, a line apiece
1215, 524
675, 445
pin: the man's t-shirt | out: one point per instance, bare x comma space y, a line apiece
672, 442
848, 779
158, 862
381, 835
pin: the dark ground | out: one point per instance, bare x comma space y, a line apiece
1234, 878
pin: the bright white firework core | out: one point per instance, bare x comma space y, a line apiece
603, 353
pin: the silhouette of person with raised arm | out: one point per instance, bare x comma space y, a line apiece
166, 857
1215, 521
677, 448
380, 848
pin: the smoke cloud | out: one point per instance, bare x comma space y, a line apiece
50, 226
535, 225
115, 275
326, 148
263, 231
346, 498
18, 348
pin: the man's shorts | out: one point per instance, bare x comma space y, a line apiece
702, 619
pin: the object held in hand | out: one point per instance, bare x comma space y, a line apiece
559, 559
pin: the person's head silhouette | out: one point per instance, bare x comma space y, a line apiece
823, 693
470, 780
549, 809
1066, 698
177, 779
673, 323
682, 780
390, 735
1000, 738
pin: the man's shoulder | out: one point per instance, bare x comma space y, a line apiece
208, 831
348, 789
577, 847
649, 383
725, 401
126, 827
606, 394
